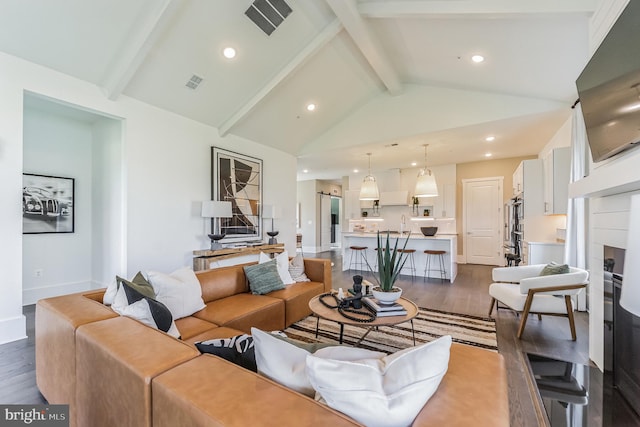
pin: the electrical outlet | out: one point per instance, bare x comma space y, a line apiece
37, 272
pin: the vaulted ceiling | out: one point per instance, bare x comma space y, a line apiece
386, 76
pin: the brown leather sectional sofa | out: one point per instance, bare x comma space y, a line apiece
114, 370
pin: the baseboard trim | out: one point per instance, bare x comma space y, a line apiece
13, 329
31, 296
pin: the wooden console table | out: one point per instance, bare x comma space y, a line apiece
203, 258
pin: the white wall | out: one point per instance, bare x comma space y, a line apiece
58, 146
562, 138
167, 175
108, 199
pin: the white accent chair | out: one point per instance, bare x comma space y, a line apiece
522, 289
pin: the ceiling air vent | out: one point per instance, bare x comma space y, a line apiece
268, 14
193, 82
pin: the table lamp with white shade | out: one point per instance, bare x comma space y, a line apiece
271, 212
216, 209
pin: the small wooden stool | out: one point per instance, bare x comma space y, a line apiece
441, 264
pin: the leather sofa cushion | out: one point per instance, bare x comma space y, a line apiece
209, 391
472, 393
192, 326
116, 360
296, 299
242, 311
56, 322
223, 282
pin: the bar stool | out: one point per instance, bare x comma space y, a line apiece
360, 260
441, 264
412, 262
375, 267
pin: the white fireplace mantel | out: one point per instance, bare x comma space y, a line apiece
618, 175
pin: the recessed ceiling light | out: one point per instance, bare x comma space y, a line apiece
305, 170
477, 58
311, 107
487, 155
229, 52
490, 138
414, 164
356, 171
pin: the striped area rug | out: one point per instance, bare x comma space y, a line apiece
429, 325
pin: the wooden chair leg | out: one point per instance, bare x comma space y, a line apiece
525, 313
493, 303
572, 325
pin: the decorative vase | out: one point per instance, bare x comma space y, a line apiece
387, 297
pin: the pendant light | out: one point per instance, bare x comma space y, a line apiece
369, 188
426, 184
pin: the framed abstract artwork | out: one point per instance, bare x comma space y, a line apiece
47, 204
237, 178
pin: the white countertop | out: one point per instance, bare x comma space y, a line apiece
396, 235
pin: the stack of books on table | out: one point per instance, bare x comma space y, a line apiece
383, 310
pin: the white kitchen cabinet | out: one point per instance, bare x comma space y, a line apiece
518, 179
544, 252
444, 206
351, 202
529, 175
556, 165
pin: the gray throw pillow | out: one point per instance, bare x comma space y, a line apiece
554, 268
263, 278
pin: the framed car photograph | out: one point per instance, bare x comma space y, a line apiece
47, 204
237, 178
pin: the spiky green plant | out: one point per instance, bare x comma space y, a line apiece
390, 262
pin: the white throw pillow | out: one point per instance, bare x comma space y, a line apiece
387, 391
282, 261
110, 293
180, 291
285, 363
296, 269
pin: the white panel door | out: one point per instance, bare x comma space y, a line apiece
482, 206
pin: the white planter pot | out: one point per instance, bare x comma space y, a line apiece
387, 297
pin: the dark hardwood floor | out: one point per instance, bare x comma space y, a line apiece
468, 295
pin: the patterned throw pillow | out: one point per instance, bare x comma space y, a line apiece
238, 350
263, 278
296, 269
131, 302
553, 268
139, 282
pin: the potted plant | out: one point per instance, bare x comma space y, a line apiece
390, 263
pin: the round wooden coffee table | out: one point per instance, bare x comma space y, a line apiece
321, 311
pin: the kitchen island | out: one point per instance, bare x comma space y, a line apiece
445, 242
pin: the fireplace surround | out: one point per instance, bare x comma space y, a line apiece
621, 332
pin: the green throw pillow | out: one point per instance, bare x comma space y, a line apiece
139, 283
554, 268
311, 347
263, 278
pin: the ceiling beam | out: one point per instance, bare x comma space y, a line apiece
324, 37
466, 8
347, 13
130, 58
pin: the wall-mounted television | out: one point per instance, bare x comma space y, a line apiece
609, 88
